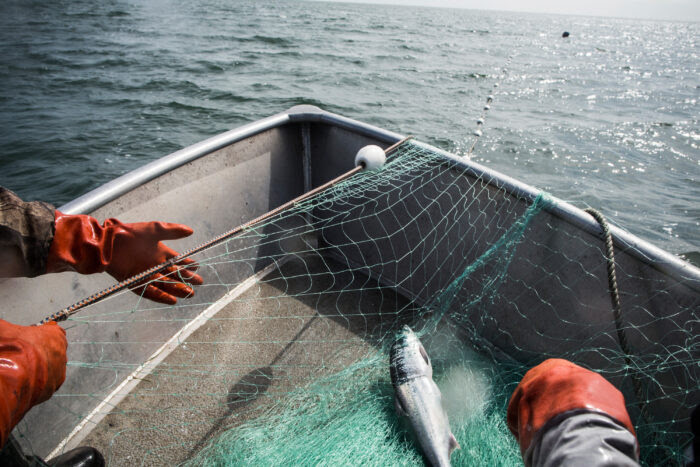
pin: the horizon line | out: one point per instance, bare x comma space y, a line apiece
420, 4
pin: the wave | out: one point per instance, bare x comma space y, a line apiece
281, 41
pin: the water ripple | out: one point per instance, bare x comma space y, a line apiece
607, 118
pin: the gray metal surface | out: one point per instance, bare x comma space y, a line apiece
231, 178
646, 252
211, 186
110, 191
306, 114
98, 197
211, 194
313, 336
554, 300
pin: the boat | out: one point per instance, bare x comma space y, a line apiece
123, 392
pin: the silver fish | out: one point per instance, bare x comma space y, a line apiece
419, 398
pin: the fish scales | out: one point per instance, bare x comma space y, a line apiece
418, 398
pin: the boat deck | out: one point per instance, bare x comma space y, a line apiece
307, 318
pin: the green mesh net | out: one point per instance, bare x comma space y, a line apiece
284, 359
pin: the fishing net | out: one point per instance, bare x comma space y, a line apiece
282, 356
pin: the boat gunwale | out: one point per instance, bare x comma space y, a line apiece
112, 190
627, 242
648, 253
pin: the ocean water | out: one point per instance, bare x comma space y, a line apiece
607, 118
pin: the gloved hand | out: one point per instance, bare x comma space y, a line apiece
32, 368
81, 244
554, 387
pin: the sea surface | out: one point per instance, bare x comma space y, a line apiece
607, 118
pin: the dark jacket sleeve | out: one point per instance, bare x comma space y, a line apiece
26, 233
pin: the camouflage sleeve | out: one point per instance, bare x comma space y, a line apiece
26, 233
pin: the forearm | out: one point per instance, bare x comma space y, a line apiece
18, 363
26, 233
582, 439
564, 414
36, 239
32, 368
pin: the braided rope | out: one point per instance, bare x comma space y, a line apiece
617, 309
612, 280
65, 313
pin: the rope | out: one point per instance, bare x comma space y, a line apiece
612, 281
63, 314
489, 99
617, 309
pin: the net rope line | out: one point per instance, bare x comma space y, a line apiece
417, 179
453, 211
617, 309
185, 305
130, 382
477, 134
252, 225
336, 201
452, 184
65, 313
446, 213
487, 106
421, 155
428, 233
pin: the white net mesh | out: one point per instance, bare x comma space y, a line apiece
290, 366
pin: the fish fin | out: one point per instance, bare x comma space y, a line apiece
399, 407
453, 443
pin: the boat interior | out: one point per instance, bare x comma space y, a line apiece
299, 298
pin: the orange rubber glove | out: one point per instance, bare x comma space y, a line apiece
81, 244
32, 368
556, 386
